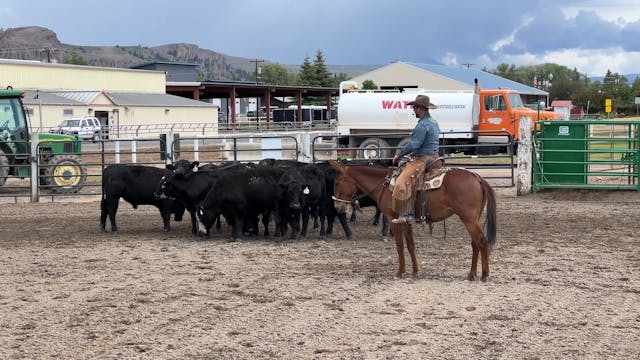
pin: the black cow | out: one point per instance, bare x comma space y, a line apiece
305, 182
240, 195
136, 185
332, 213
189, 183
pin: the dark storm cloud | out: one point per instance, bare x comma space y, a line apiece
552, 31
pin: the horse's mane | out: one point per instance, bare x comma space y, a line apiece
368, 171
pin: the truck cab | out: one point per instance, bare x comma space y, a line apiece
502, 110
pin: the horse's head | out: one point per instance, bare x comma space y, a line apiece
344, 189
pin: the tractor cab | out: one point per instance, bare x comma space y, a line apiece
60, 167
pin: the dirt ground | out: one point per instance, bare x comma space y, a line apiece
565, 284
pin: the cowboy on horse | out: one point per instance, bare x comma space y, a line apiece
423, 147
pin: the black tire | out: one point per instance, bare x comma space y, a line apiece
65, 174
374, 148
4, 167
403, 142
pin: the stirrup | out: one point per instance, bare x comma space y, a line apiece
407, 219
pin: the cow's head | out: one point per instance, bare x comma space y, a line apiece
183, 167
291, 192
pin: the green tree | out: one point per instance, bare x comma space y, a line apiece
338, 78
307, 73
322, 75
369, 85
275, 74
74, 59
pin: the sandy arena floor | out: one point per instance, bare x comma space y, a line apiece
565, 284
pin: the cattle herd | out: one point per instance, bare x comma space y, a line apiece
283, 194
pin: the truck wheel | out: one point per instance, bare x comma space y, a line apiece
4, 167
65, 174
374, 148
403, 142
96, 137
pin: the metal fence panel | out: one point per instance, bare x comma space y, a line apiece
587, 154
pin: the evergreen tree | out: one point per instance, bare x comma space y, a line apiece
307, 73
322, 75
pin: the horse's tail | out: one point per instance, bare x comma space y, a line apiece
491, 219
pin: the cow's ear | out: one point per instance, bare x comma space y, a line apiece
171, 167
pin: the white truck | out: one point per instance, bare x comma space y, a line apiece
374, 121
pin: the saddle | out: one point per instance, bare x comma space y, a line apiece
432, 178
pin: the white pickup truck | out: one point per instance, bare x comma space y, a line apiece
87, 127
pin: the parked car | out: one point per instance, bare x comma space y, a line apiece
87, 127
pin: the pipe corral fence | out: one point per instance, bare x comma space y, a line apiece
306, 146
587, 154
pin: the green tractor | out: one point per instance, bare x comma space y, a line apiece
61, 169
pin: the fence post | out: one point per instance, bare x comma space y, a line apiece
134, 151
525, 146
35, 168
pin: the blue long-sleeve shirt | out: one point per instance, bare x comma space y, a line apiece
424, 138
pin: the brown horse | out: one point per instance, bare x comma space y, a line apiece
463, 193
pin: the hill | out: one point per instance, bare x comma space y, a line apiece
39, 43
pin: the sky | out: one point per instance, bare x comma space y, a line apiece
592, 36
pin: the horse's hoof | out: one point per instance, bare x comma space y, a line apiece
471, 277
385, 239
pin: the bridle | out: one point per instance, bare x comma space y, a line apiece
353, 201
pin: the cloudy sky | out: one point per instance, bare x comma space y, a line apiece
590, 35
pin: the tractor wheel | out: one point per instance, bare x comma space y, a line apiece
65, 174
4, 167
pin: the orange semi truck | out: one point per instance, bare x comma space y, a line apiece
466, 118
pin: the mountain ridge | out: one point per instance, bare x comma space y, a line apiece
40, 43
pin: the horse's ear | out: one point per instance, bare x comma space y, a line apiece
334, 164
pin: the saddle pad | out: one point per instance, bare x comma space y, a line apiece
434, 179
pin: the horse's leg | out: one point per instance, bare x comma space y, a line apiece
411, 246
398, 235
480, 247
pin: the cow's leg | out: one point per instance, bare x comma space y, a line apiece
385, 228
345, 224
322, 211
294, 223
305, 221
103, 214
376, 217
112, 208
266, 219
236, 228
218, 222
165, 212
194, 223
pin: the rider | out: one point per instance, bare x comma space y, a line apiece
424, 146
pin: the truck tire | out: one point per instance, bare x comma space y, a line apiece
4, 167
403, 142
374, 148
65, 174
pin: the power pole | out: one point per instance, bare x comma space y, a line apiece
468, 65
256, 61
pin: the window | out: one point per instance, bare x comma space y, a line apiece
67, 112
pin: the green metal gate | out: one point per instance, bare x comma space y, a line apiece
587, 155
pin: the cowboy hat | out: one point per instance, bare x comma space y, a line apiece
422, 100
